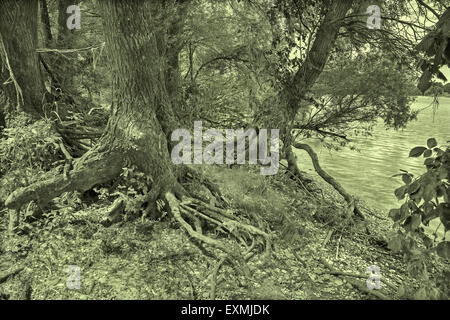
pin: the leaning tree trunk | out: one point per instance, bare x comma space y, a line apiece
21, 78
304, 79
312, 67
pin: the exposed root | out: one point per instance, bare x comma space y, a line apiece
177, 214
328, 178
356, 284
230, 223
212, 293
115, 212
224, 221
190, 175
93, 168
193, 215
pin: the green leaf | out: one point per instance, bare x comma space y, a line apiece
417, 151
444, 214
428, 153
400, 192
413, 206
439, 151
404, 211
416, 220
406, 178
395, 244
431, 143
443, 173
443, 249
413, 187
429, 192
428, 162
394, 214
417, 196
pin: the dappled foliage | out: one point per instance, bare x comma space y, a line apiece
87, 175
426, 198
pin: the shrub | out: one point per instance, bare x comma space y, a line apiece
426, 198
27, 149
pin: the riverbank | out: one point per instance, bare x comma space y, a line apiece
317, 252
367, 172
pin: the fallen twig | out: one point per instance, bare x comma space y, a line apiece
355, 284
327, 238
10, 273
212, 293
337, 247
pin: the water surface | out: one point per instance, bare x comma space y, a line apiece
368, 173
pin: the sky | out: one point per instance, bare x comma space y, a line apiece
446, 71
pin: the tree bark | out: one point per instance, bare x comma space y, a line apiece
65, 40
45, 20
317, 57
171, 44
131, 30
133, 135
19, 36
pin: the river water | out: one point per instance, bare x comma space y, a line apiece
367, 174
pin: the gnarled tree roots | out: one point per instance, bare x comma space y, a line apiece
352, 206
193, 215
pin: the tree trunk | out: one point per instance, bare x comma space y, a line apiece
133, 135
306, 76
317, 56
65, 40
19, 36
131, 30
45, 20
171, 45
304, 79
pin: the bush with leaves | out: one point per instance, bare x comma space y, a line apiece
426, 198
27, 149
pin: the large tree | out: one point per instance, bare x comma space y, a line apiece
136, 134
20, 77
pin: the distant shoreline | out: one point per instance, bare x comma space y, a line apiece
447, 95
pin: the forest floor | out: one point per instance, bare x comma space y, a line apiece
317, 254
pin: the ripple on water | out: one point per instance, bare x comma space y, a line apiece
367, 174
